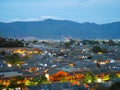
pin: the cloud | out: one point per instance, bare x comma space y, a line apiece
29, 19
51, 17
16, 19
36, 10
32, 19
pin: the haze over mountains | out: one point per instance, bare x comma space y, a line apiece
55, 29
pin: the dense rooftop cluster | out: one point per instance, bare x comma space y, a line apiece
74, 62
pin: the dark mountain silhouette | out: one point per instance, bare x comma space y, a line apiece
56, 28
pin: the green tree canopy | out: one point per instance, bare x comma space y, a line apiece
3, 53
13, 59
17, 81
9, 42
114, 86
111, 42
40, 79
97, 49
88, 77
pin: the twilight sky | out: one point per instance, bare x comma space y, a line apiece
98, 11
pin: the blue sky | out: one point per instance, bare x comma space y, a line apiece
98, 11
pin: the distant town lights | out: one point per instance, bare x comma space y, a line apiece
99, 80
47, 76
89, 81
95, 61
23, 54
9, 65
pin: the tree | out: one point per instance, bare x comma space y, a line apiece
35, 41
90, 42
89, 57
97, 65
3, 53
88, 77
38, 80
63, 79
17, 81
2, 86
68, 44
118, 43
13, 59
103, 42
113, 75
9, 42
98, 86
111, 42
114, 86
97, 49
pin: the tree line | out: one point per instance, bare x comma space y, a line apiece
9, 42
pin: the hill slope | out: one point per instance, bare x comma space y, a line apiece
56, 28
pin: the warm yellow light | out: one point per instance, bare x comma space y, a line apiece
99, 80
105, 78
89, 81
46, 70
99, 52
118, 75
18, 65
18, 88
9, 65
102, 63
23, 54
95, 61
47, 76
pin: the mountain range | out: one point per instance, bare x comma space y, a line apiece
56, 29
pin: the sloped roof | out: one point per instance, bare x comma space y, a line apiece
52, 71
